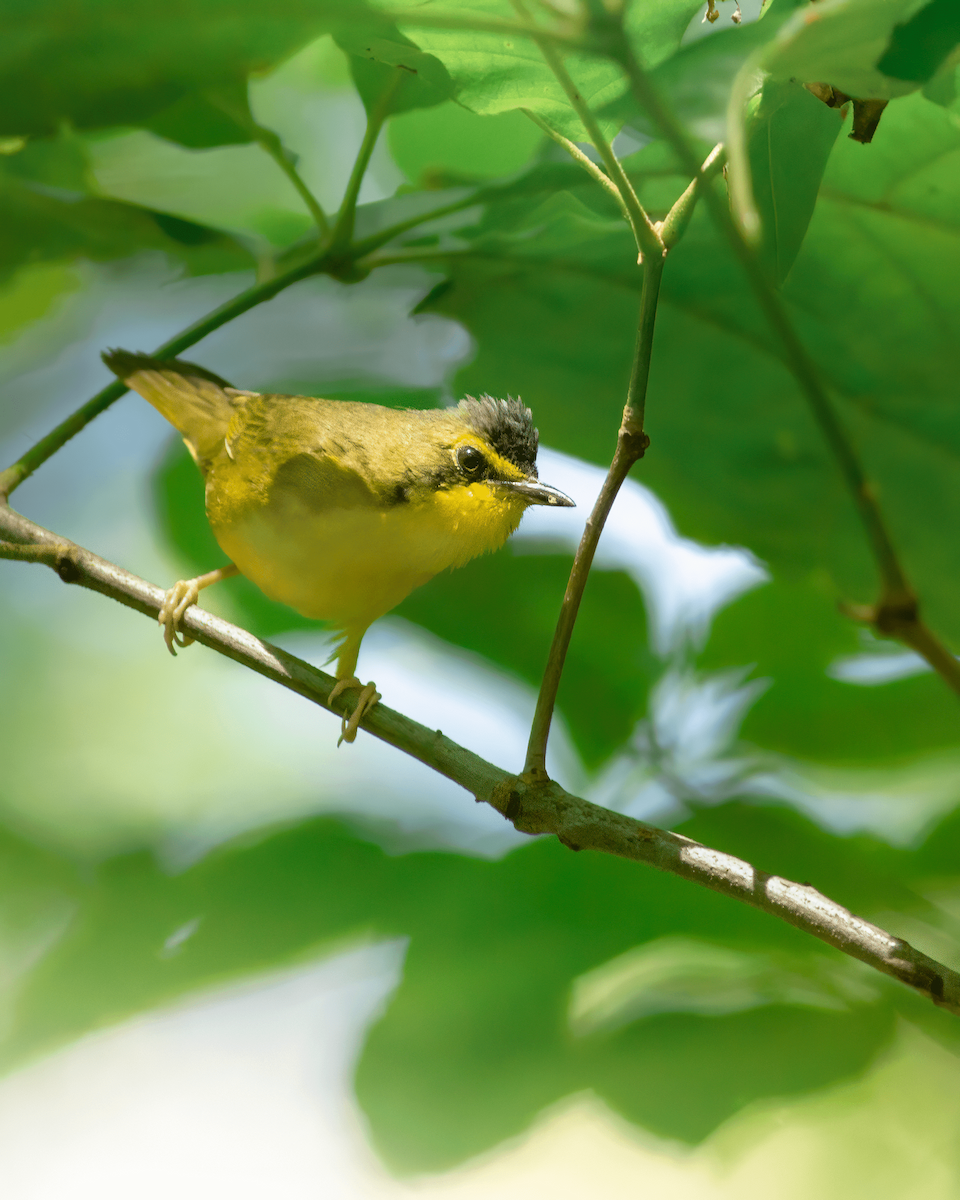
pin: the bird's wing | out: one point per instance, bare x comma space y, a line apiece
197, 403
294, 454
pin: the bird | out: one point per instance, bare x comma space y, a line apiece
340, 508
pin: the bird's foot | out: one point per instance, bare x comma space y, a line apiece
368, 698
175, 603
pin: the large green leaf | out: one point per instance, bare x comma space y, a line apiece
39, 223
451, 140
843, 42
790, 636
385, 63
526, 980
551, 296
789, 139
115, 62
494, 73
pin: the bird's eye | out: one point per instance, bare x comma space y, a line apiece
470, 459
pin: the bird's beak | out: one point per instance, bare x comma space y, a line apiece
535, 492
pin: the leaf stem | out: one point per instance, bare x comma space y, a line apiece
647, 237
674, 225
374, 241
533, 808
272, 144
343, 229
578, 156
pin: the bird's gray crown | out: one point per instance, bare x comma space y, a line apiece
508, 426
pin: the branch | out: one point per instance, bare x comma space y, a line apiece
269, 141
631, 445
897, 611
532, 807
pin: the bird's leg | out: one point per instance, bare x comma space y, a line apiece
368, 698
179, 598
346, 656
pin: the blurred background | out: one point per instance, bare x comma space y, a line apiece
237, 961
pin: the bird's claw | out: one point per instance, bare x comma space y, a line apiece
175, 603
368, 698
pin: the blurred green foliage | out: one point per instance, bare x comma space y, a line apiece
547, 973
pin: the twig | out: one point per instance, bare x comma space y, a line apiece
631, 444
578, 156
897, 611
271, 143
534, 808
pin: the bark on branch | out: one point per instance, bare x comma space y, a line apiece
533, 807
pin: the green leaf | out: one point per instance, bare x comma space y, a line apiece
696, 81
200, 120
918, 47
375, 60
843, 44
791, 635
494, 74
37, 226
789, 141
148, 59
449, 140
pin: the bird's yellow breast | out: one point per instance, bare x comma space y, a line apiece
350, 565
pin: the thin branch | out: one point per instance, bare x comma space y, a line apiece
631, 444
648, 239
269, 141
533, 808
897, 611
343, 229
578, 156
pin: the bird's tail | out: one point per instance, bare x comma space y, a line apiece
197, 403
